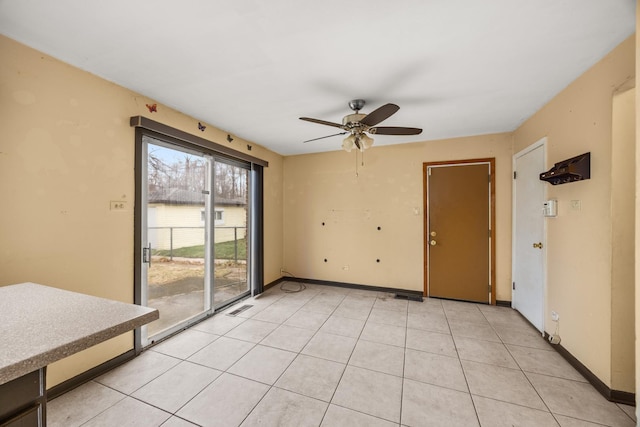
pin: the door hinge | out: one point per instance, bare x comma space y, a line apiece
513, 286
489, 178
489, 287
515, 174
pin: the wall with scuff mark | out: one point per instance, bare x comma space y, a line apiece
586, 242
387, 193
66, 151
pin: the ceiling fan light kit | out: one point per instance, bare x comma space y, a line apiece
348, 143
361, 141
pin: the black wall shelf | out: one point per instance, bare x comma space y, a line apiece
574, 169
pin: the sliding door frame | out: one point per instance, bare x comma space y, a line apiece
255, 167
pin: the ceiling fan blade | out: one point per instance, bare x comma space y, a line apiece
380, 114
323, 137
392, 130
321, 122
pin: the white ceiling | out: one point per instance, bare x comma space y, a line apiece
252, 67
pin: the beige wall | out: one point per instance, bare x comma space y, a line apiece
66, 150
623, 241
388, 192
580, 242
637, 228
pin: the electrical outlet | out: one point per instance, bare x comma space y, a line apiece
117, 205
555, 316
345, 267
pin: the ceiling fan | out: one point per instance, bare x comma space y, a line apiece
359, 125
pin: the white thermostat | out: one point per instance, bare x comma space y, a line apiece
550, 208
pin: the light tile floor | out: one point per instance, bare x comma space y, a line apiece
341, 357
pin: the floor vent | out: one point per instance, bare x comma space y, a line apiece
410, 297
240, 310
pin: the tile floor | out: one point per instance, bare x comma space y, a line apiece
340, 357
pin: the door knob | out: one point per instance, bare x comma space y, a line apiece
433, 234
538, 245
432, 243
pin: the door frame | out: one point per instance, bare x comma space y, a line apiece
492, 219
144, 126
542, 142
140, 281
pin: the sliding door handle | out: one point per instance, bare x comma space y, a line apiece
146, 255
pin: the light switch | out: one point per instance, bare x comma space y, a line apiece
118, 205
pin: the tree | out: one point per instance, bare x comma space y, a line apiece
169, 169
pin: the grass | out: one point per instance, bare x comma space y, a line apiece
223, 250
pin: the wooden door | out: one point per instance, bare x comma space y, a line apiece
458, 240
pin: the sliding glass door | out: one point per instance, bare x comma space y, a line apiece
194, 233
231, 232
176, 261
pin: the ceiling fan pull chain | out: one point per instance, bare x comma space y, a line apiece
356, 163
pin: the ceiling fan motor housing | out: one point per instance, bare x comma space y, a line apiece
353, 120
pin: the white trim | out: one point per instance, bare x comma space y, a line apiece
215, 214
144, 224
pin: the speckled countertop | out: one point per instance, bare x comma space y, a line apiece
40, 325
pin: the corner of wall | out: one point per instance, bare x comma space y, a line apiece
579, 273
637, 233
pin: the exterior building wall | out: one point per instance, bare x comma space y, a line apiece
180, 226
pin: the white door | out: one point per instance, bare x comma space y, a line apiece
529, 234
